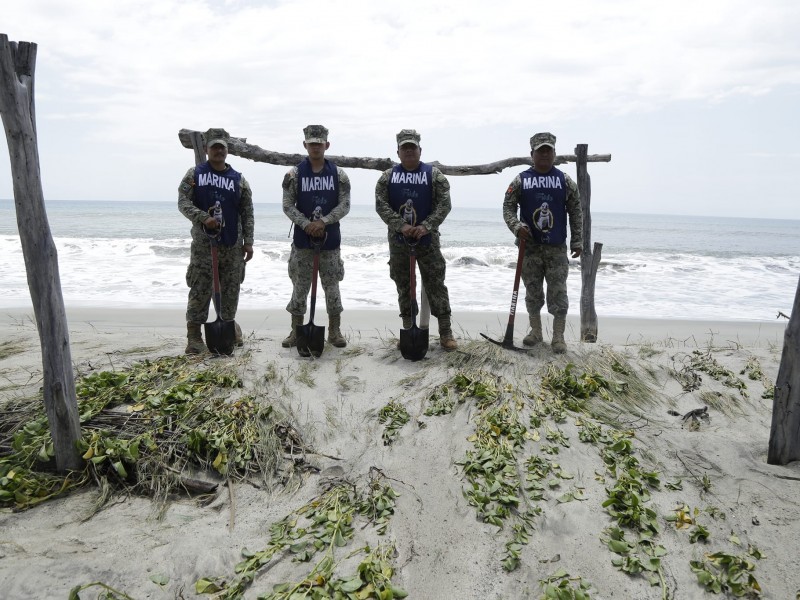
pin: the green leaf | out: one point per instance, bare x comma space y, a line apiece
206, 586
159, 579
351, 585
618, 546
398, 591
120, 469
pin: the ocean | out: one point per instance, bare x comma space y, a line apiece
134, 254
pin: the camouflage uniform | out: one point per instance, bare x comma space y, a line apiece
432, 265
544, 262
199, 275
331, 266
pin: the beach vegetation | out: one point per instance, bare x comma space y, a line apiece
722, 573
11, 348
705, 362
305, 374
754, 372
393, 416
324, 528
563, 586
107, 593
144, 429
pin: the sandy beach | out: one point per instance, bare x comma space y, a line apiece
715, 492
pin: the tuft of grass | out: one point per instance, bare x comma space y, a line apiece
11, 348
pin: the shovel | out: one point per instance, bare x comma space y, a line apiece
414, 341
220, 335
508, 341
310, 337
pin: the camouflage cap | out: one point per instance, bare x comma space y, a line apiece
315, 134
408, 136
216, 136
543, 139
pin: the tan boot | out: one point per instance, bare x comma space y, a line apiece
335, 336
195, 343
291, 339
535, 336
559, 324
446, 339
238, 340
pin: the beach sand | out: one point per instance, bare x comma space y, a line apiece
443, 550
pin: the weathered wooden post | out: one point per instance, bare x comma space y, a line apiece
784, 436
590, 259
17, 65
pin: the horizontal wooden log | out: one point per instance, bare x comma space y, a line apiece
240, 147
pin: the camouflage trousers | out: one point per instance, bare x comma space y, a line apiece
199, 278
432, 268
331, 272
549, 264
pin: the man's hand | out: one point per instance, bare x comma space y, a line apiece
211, 224
524, 233
576, 252
315, 229
414, 233
247, 252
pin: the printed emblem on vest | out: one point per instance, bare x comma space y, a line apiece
543, 217
409, 213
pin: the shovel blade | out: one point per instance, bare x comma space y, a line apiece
310, 339
414, 343
220, 336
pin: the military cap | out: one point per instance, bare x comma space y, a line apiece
315, 134
408, 136
543, 139
216, 136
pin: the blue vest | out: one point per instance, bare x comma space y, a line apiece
317, 195
543, 205
411, 195
225, 187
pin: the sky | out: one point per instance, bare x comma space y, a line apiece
697, 102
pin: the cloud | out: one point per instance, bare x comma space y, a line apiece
127, 75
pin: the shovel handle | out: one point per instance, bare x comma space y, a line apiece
215, 271
412, 260
513, 310
314, 272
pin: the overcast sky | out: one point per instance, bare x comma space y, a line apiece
697, 102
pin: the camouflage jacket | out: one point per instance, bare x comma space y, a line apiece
198, 217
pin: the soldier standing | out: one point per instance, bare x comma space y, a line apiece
316, 196
545, 197
203, 186
420, 193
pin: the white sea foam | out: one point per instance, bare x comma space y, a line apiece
121, 254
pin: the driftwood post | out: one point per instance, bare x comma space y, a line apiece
590, 259
17, 65
784, 436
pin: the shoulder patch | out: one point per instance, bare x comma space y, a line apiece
185, 187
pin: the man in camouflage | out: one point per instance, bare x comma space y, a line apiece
545, 198
201, 189
316, 196
413, 199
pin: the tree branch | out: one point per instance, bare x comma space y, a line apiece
240, 147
